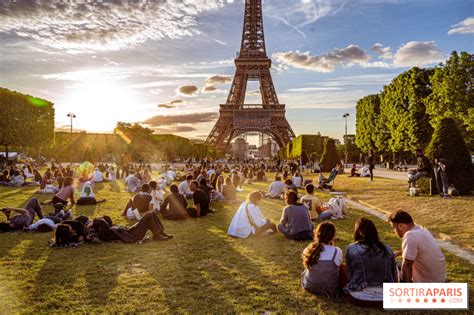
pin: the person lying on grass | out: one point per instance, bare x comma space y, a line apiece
104, 230
23, 218
70, 233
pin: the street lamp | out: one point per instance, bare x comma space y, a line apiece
345, 139
71, 115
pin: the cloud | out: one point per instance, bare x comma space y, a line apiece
464, 27
418, 54
327, 62
209, 88
218, 79
174, 102
175, 129
105, 25
187, 90
383, 52
165, 106
193, 118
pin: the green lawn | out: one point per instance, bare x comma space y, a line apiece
200, 270
451, 219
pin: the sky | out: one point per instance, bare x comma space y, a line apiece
169, 64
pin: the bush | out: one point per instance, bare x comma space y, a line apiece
329, 159
448, 143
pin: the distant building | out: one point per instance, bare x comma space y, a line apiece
239, 148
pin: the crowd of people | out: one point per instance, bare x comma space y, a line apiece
191, 193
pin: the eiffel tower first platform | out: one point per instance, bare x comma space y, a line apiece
252, 63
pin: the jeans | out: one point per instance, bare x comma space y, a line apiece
300, 236
325, 215
442, 182
413, 178
34, 207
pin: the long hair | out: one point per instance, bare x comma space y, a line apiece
325, 233
254, 197
366, 233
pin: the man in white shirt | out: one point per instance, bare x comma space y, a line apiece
423, 260
276, 188
184, 187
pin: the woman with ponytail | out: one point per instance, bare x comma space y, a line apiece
322, 261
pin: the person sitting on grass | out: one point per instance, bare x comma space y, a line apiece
66, 192
423, 260
297, 180
97, 176
49, 222
87, 196
140, 201
174, 205
322, 261
276, 189
5, 178
354, 171
184, 187
104, 230
249, 220
314, 205
201, 201
156, 195
261, 177
24, 218
290, 186
369, 264
228, 190
295, 223
133, 183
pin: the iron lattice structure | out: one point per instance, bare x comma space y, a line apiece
252, 64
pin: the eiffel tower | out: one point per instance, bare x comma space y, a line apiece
252, 63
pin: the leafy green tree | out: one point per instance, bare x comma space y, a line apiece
453, 94
353, 152
448, 143
27, 121
367, 117
330, 158
403, 111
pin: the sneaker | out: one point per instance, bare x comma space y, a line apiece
68, 215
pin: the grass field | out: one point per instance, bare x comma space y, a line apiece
201, 270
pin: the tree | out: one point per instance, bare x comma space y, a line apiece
448, 143
353, 152
27, 121
330, 158
453, 94
403, 111
367, 117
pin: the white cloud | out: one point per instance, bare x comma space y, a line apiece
383, 52
464, 27
327, 62
187, 90
77, 27
418, 54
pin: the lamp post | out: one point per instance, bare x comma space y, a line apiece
72, 116
345, 140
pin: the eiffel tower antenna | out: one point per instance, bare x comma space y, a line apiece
252, 64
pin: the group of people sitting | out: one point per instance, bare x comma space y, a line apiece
369, 262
